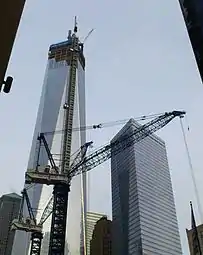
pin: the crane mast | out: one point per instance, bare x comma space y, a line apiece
69, 110
61, 190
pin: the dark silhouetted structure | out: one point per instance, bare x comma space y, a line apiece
11, 12
195, 235
9, 208
193, 14
101, 243
91, 220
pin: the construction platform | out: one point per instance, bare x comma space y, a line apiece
26, 225
48, 178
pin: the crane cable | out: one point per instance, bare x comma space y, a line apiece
105, 124
191, 171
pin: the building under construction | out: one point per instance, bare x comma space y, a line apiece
56, 97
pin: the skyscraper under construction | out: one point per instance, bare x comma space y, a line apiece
51, 117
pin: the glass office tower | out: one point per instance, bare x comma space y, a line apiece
144, 215
51, 118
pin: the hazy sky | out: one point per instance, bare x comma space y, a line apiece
139, 61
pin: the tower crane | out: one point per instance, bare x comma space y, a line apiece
61, 178
29, 224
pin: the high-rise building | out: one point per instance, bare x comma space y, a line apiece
101, 242
144, 215
91, 220
53, 104
9, 208
193, 15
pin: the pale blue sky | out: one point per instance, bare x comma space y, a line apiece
139, 61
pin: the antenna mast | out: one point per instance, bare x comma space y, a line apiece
75, 25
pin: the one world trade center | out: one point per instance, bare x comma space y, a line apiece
50, 120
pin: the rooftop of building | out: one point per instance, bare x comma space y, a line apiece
96, 214
60, 44
12, 195
199, 227
132, 123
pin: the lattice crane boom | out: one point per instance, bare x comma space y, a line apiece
103, 154
47, 211
83, 164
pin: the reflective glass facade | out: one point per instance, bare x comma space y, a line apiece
144, 215
51, 117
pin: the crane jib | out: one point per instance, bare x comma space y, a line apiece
106, 152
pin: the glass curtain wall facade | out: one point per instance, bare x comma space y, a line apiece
144, 215
51, 118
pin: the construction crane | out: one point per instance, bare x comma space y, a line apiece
61, 178
88, 35
29, 224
